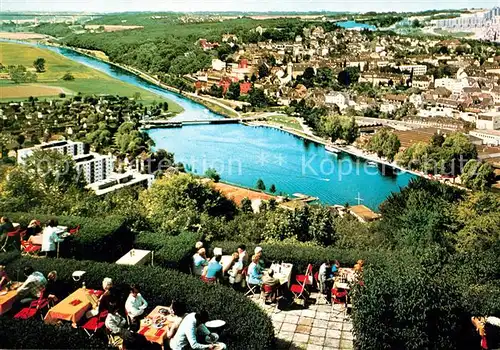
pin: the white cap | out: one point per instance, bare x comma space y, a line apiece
257, 250
198, 245
217, 251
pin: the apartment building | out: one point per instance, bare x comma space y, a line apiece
94, 166
64, 147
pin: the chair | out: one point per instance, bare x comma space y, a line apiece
339, 296
251, 289
95, 323
10, 241
32, 310
307, 277
29, 248
212, 280
299, 291
74, 231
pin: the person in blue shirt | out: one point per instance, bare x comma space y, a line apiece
213, 268
335, 267
254, 273
199, 262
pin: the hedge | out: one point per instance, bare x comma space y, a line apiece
170, 251
248, 327
100, 239
300, 255
33, 333
423, 301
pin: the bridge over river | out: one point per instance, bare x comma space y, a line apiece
172, 123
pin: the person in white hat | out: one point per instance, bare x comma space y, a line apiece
261, 263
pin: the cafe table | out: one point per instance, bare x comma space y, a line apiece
136, 257
150, 331
283, 272
73, 307
7, 299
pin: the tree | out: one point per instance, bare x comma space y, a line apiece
136, 96
260, 185
477, 176
272, 189
39, 64
253, 78
348, 76
68, 77
246, 205
19, 74
263, 70
233, 92
258, 98
215, 91
212, 174
385, 143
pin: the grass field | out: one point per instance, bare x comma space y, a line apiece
87, 80
289, 122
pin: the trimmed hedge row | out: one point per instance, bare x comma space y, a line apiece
33, 334
299, 255
170, 251
248, 327
100, 239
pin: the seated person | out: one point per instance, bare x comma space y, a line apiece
235, 273
104, 300
335, 267
5, 225
273, 283
242, 254
115, 323
178, 312
50, 238
33, 286
4, 279
214, 268
133, 340
199, 262
53, 290
135, 304
34, 228
191, 328
262, 264
254, 274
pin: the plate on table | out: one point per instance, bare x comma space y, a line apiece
158, 325
215, 324
163, 311
147, 321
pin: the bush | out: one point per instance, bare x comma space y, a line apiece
100, 239
248, 327
299, 254
68, 77
32, 334
170, 251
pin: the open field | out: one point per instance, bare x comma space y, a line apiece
290, 122
87, 80
21, 36
111, 28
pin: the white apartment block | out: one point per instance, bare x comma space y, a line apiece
94, 166
489, 137
418, 69
64, 147
488, 121
116, 181
337, 98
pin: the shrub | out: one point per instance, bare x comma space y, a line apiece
101, 239
68, 77
248, 327
170, 251
32, 334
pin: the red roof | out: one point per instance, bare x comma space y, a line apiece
245, 87
243, 63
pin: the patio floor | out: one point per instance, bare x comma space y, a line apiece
316, 327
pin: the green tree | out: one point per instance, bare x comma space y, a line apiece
246, 205
258, 98
68, 77
136, 96
212, 174
39, 64
272, 188
233, 92
19, 74
385, 143
264, 71
348, 76
477, 176
260, 185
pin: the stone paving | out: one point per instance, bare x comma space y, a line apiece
316, 327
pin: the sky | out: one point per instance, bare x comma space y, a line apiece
240, 5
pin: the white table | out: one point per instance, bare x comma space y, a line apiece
226, 260
347, 273
283, 272
16, 225
342, 285
136, 257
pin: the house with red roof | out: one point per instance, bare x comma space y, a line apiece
245, 87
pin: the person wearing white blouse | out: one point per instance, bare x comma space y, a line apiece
135, 304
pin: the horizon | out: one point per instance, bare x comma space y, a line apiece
243, 6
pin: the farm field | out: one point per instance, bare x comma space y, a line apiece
50, 83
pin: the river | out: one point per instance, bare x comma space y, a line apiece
243, 154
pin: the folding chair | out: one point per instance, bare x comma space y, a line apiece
74, 231
10, 240
307, 277
33, 309
29, 248
251, 289
95, 323
299, 291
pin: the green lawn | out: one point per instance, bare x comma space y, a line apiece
289, 122
87, 80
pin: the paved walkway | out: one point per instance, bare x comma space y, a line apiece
317, 327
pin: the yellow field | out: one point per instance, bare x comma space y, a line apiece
22, 91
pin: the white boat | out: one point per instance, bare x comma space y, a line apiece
332, 149
371, 163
